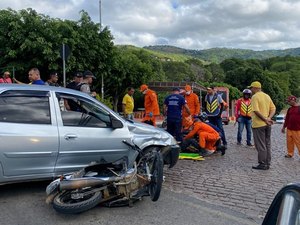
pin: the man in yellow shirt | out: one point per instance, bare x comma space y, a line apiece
263, 109
128, 104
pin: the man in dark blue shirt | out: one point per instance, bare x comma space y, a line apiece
173, 106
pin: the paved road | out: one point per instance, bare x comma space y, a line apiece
230, 181
24, 204
220, 190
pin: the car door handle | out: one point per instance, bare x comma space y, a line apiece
70, 136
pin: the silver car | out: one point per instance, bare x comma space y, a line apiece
47, 131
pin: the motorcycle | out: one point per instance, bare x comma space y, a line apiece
114, 184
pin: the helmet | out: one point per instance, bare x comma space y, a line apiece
203, 116
247, 91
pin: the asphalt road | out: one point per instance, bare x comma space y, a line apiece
220, 190
22, 204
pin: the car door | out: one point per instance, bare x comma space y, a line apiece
86, 134
28, 133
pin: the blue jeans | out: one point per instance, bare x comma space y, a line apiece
244, 122
217, 121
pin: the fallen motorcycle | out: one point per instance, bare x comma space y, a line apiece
118, 183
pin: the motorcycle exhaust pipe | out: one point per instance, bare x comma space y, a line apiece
83, 182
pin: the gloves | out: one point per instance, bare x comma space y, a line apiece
150, 114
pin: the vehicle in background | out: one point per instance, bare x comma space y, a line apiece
224, 92
225, 117
280, 118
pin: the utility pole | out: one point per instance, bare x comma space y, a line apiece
100, 15
102, 80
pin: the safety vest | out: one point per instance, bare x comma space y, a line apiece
212, 106
246, 108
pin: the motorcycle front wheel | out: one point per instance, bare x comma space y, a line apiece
65, 202
156, 170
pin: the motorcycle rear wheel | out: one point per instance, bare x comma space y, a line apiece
156, 169
64, 203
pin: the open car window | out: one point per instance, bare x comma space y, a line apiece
80, 112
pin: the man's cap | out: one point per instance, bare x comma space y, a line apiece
255, 84
291, 98
188, 87
143, 87
176, 89
7, 73
78, 74
88, 73
210, 88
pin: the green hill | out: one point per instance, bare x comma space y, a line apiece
219, 54
162, 55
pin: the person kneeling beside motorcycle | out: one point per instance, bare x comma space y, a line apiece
208, 138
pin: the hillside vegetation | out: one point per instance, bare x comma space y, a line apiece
29, 39
217, 55
161, 55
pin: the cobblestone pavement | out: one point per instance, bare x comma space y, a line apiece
230, 181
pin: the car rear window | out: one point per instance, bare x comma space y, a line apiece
25, 107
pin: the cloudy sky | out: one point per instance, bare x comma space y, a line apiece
190, 24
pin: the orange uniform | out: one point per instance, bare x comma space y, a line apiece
193, 104
192, 101
207, 135
150, 104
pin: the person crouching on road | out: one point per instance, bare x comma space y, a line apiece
150, 104
207, 138
292, 123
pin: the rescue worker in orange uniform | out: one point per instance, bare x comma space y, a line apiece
194, 105
207, 137
192, 101
243, 110
150, 104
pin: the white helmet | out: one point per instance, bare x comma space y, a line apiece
247, 91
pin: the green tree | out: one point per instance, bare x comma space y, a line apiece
178, 71
29, 39
131, 68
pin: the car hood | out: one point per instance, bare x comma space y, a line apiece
144, 135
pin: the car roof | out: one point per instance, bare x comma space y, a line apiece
5, 87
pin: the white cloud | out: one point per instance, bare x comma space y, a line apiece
193, 24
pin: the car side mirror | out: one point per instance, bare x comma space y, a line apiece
285, 208
116, 123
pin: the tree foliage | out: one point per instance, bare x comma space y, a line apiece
29, 39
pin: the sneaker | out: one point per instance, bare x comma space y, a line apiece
261, 167
239, 143
250, 145
288, 156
